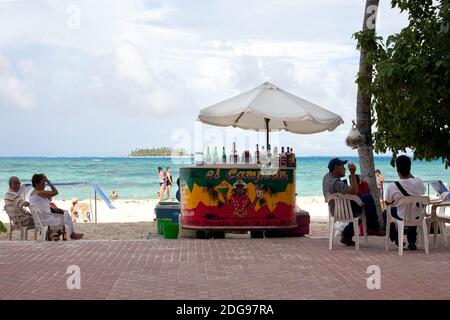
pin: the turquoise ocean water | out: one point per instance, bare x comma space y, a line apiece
136, 178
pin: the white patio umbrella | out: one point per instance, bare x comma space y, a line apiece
271, 108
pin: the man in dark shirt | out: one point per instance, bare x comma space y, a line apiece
332, 183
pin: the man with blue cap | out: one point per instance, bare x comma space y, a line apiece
332, 183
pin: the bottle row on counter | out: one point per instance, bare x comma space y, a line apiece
286, 158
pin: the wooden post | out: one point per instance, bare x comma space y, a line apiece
267, 132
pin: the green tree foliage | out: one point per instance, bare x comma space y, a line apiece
2, 227
158, 152
410, 86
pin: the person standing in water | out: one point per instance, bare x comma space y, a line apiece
161, 182
168, 181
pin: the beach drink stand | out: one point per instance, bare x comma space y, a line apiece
230, 195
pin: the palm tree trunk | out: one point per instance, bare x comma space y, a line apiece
363, 119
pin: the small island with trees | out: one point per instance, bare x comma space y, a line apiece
159, 152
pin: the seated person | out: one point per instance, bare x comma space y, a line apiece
332, 183
114, 195
73, 209
363, 187
39, 197
14, 198
407, 185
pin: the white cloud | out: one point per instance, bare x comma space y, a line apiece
130, 83
155, 15
14, 91
301, 50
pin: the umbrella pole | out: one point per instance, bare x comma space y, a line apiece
267, 133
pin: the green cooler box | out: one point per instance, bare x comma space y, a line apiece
166, 211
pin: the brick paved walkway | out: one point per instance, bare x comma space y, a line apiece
290, 268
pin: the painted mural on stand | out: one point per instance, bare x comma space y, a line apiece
222, 197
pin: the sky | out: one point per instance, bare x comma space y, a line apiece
103, 77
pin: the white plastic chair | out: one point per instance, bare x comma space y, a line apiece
437, 216
413, 216
15, 224
342, 212
43, 228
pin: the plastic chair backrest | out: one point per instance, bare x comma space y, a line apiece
413, 206
342, 209
35, 212
13, 215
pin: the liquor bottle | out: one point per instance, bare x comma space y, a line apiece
288, 156
258, 161
64, 233
216, 155
234, 155
276, 156
293, 159
208, 156
290, 161
283, 159
224, 155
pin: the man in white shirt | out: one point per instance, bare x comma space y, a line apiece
412, 186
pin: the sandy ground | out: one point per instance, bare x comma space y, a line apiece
143, 210
134, 219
